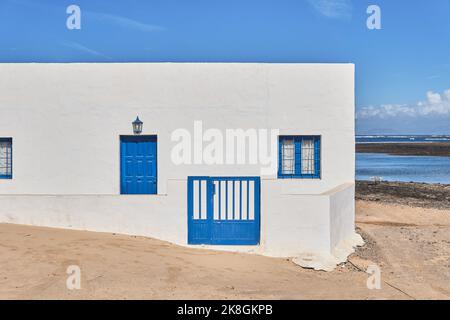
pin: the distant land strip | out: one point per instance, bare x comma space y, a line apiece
410, 149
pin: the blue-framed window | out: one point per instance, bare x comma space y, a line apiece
5, 158
299, 157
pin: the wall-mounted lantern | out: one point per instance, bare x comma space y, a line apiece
137, 126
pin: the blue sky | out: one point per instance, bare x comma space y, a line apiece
403, 70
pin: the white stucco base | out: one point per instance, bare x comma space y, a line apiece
328, 261
317, 228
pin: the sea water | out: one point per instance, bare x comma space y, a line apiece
403, 168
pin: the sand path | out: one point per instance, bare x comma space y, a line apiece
413, 244
33, 263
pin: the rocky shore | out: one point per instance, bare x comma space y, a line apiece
410, 193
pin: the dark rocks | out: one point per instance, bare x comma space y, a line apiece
405, 193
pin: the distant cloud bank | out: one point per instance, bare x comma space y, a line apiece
431, 116
436, 104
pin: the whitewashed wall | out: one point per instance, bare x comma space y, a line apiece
66, 119
291, 225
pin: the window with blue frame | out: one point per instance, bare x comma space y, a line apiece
5, 158
299, 157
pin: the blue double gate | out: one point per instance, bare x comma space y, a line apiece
224, 210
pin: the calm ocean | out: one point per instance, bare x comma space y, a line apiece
402, 168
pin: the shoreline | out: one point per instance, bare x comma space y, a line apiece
413, 194
437, 149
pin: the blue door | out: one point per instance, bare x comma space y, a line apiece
224, 210
138, 170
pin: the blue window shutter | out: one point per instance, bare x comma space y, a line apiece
298, 155
6, 167
280, 161
317, 157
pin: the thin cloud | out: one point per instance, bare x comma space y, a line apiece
82, 48
124, 22
338, 9
107, 17
432, 77
436, 105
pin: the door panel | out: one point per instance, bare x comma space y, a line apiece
138, 165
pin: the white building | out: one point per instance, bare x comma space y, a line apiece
69, 157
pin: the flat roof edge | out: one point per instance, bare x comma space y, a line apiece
185, 62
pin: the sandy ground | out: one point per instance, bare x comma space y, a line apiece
411, 245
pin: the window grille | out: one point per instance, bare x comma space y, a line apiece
288, 156
5, 158
307, 156
299, 157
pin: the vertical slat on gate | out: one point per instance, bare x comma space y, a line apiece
196, 201
237, 201
230, 199
251, 200
203, 198
219, 195
244, 199
226, 199
223, 200
234, 205
240, 199
216, 201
